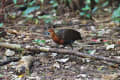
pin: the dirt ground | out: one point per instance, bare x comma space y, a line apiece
100, 38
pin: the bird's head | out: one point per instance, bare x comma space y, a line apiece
51, 30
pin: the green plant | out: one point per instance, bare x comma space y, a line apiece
28, 8
99, 5
54, 4
31, 8
42, 1
1, 24
38, 41
116, 15
28, 5
15, 1
47, 18
86, 10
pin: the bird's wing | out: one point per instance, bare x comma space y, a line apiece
68, 35
60, 34
65, 35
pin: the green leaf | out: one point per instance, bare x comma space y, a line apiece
117, 20
25, 0
88, 15
15, 1
69, 1
48, 21
47, 18
87, 7
105, 4
1, 24
106, 43
82, 13
1, 75
19, 5
44, 17
32, 2
94, 9
91, 52
88, 1
36, 21
43, 41
38, 41
100, 68
55, 5
42, 1
29, 16
116, 15
52, 1
97, 1
30, 9
54, 11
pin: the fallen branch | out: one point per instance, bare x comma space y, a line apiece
61, 51
9, 60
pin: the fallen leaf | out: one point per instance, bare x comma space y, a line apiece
108, 47
63, 60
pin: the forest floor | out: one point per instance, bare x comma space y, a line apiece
100, 38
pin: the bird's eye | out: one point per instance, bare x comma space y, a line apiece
47, 33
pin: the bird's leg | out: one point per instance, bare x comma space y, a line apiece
63, 46
71, 46
57, 46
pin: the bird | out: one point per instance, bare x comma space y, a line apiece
65, 36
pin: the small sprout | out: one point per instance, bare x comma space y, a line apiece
20, 50
36, 21
39, 42
92, 52
100, 68
1, 75
15, 1
1, 24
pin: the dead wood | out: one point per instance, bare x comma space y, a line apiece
12, 59
60, 51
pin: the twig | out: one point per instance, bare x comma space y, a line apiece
9, 60
61, 51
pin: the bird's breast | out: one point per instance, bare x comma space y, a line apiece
58, 40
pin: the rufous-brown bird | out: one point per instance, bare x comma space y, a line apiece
65, 36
